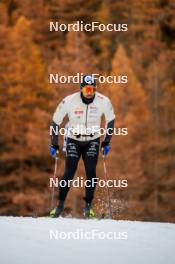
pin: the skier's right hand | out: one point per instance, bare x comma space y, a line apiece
53, 150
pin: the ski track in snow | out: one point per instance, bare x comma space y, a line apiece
26, 240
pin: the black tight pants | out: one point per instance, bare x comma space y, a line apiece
89, 151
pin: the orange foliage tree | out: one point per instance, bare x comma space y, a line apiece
132, 113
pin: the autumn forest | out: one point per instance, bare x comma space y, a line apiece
145, 53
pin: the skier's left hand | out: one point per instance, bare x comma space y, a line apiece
105, 147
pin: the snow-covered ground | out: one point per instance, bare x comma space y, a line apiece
43, 240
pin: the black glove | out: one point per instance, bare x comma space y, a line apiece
104, 144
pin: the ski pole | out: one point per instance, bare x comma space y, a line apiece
53, 188
106, 178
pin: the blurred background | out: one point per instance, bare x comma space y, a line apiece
145, 105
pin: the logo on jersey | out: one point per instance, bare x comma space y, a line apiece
101, 97
78, 111
93, 109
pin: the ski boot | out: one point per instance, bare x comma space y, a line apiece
88, 212
56, 212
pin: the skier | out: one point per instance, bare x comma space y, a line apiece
84, 110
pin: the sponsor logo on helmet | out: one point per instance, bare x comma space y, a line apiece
88, 79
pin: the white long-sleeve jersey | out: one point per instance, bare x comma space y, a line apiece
84, 120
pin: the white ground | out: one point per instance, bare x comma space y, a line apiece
28, 240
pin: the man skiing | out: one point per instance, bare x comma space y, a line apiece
84, 110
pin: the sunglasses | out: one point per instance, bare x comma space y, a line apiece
88, 90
